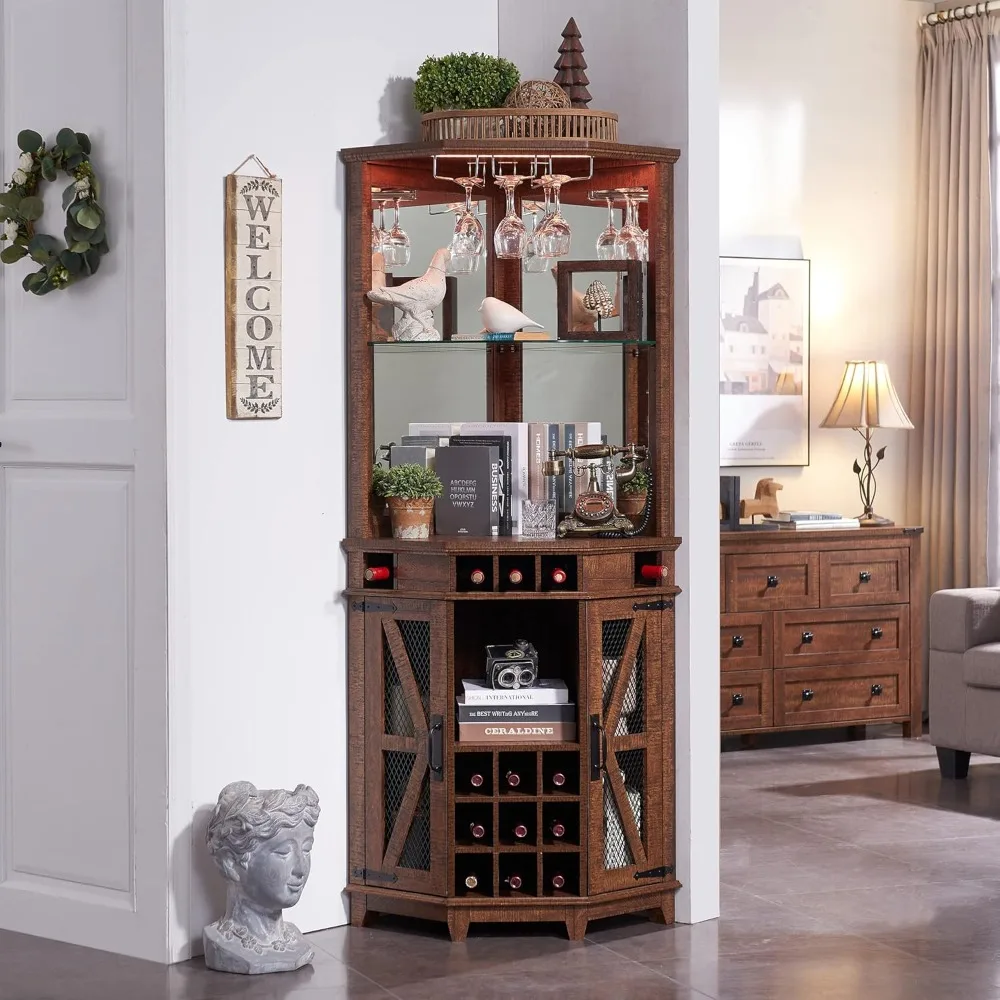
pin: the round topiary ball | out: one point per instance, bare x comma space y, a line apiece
537, 94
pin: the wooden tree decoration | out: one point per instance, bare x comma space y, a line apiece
572, 67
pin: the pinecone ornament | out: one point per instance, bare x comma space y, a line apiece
598, 299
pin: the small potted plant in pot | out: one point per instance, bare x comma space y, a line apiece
463, 81
410, 490
632, 494
378, 507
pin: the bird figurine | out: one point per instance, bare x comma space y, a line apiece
416, 300
501, 317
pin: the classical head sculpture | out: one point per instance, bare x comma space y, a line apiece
260, 841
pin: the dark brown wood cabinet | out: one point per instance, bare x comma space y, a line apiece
437, 827
821, 628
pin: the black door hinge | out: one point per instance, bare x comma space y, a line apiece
369, 875
369, 605
654, 605
662, 872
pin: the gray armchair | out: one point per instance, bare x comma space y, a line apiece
964, 690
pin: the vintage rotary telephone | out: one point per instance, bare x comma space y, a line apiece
595, 512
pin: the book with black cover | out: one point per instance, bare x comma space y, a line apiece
470, 499
501, 442
515, 713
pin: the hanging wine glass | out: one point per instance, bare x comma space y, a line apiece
379, 232
468, 239
553, 235
396, 244
606, 242
628, 245
534, 263
511, 237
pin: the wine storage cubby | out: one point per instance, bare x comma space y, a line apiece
474, 875
559, 573
380, 571
474, 824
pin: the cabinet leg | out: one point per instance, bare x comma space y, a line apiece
913, 729
359, 910
953, 763
458, 925
662, 914
576, 926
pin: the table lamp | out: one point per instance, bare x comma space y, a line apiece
867, 400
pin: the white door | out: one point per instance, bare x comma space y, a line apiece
83, 844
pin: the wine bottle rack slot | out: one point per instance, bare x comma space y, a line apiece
474, 875
651, 570
474, 573
517, 573
559, 573
474, 824
517, 773
380, 571
474, 775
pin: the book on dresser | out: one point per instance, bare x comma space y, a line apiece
470, 503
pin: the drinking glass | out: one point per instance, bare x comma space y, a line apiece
630, 242
379, 232
396, 244
468, 239
511, 238
553, 235
534, 263
606, 248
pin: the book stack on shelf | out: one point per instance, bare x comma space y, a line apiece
539, 714
813, 520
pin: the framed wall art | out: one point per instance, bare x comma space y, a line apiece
764, 362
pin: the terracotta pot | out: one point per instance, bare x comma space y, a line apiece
411, 518
632, 506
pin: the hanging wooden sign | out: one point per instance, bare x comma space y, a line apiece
253, 296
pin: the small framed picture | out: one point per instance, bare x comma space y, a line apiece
600, 299
764, 362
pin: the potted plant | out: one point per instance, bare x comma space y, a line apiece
410, 490
632, 494
378, 507
463, 81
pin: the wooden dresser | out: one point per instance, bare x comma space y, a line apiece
821, 628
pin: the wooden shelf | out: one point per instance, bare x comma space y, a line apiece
514, 545
513, 748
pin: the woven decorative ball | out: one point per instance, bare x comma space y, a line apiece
537, 94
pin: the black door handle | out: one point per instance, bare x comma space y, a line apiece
737, 699
877, 632
864, 576
435, 748
595, 748
807, 638
737, 642
773, 581
876, 690
808, 694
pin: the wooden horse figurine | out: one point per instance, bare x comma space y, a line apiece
765, 500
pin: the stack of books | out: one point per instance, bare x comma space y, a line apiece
814, 520
539, 714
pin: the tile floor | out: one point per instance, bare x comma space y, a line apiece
850, 872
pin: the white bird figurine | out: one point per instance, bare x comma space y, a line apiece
501, 317
416, 300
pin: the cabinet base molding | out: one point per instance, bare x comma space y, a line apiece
656, 902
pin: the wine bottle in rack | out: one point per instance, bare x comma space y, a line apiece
477, 830
515, 578
471, 881
514, 881
557, 880
557, 829
558, 576
520, 831
377, 574
477, 780
513, 779
477, 577
653, 572
558, 779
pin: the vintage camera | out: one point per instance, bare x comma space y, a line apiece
511, 667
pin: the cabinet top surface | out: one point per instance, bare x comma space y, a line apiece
857, 538
555, 147
444, 544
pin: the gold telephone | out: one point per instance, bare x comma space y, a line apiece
595, 512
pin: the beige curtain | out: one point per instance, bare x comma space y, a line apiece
949, 452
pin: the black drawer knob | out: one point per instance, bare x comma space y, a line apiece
737, 642
864, 576
737, 699
808, 694
876, 690
807, 638
877, 632
772, 582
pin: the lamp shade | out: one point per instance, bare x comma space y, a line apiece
867, 399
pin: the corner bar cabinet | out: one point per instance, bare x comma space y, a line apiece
437, 828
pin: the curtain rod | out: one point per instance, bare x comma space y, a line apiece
960, 13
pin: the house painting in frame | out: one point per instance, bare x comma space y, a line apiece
764, 362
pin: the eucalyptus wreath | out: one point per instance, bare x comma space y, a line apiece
85, 233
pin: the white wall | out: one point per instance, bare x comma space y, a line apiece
656, 64
818, 140
257, 643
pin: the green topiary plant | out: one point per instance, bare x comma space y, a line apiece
379, 472
409, 482
462, 81
637, 485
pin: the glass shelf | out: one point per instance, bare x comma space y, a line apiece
478, 345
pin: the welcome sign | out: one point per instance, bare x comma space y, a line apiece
253, 297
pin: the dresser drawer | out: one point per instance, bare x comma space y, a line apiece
745, 641
772, 581
851, 636
846, 694
864, 576
746, 700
